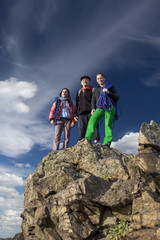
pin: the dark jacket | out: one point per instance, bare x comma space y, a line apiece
83, 101
113, 95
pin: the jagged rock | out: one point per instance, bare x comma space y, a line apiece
149, 147
150, 135
18, 236
80, 192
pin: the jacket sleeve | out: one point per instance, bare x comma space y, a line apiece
77, 105
52, 111
93, 101
113, 94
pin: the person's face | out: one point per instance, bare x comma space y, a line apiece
64, 93
100, 80
85, 82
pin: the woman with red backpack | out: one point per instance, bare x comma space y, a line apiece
62, 116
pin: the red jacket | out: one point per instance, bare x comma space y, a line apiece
72, 110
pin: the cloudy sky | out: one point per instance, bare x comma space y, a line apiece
46, 45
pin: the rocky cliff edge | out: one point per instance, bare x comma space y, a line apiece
84, 191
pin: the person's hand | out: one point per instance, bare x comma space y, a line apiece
93, 110
76, 119
72, 124
52, 122
105, 90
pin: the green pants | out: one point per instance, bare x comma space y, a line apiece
94, 120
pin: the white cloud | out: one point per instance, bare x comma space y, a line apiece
11, 180
12, 172
17, 138
19, 165
127, 144
12, 94
14, 141
22, 165
11, 201
27, 165
20, 132
10, 192
10, 220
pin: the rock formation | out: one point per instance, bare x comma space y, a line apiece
18, 236
81, 192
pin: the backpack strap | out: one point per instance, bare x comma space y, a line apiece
56, 111
79, 92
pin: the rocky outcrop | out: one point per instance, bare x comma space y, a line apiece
18, 236
80, 192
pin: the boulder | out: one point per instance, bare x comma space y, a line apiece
80, 192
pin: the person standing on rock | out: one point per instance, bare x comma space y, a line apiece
83, 108
104, 101
62, 116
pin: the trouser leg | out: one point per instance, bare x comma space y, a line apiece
82, 125
58, 131
109, 116
93, 122
96, 135
96, 131
67, 130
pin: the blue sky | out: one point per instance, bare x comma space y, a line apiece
46, 45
